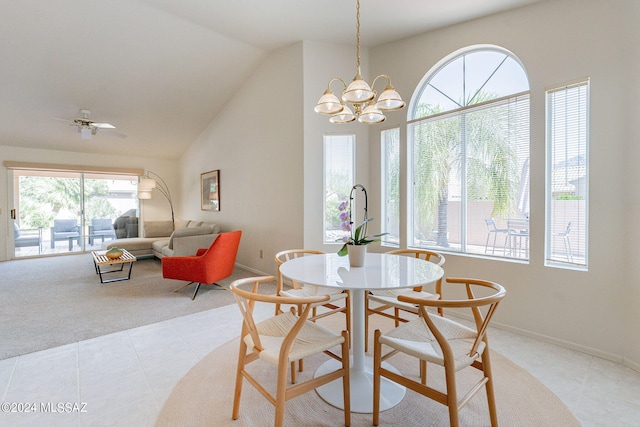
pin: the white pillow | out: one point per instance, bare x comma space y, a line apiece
158, 228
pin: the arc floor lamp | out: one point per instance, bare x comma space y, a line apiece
148, 182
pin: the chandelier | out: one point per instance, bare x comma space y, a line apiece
361, 97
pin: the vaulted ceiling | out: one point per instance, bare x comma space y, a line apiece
160, 70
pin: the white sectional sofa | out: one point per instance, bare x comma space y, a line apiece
160, 240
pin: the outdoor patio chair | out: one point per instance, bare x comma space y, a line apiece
493, 229
518, 237
102, 228
27, 237
567, 245
126, 225
65, 229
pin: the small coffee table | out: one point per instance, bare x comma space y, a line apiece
101, 260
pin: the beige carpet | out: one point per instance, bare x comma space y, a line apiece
204, 398
48, 302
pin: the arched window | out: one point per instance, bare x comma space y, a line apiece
469, 147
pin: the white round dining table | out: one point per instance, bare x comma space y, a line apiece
380, 271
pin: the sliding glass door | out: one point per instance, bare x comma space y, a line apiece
61, 212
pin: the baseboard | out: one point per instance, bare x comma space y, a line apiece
562, 343
253, 270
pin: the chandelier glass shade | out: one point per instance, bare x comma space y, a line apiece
358, 99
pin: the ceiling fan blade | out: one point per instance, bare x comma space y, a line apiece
84, 123
112, 132
103, 125
64, 120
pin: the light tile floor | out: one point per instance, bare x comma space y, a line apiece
125, 377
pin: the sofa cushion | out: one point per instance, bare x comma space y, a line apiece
189, 231
159, 244
158, 228
193, 224
215, 227
181, 223
166, 251
132, 244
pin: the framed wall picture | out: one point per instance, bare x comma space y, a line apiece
210, 191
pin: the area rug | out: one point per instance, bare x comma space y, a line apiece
48, 302
204, 397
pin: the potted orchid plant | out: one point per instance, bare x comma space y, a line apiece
357, 237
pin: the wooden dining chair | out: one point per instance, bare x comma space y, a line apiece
332, 306
436, 339
385, 300
336, 296
281, 341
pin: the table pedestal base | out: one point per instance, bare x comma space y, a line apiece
361, 388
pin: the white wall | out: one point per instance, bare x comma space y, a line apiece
155, 208
322, 62
629, 197
558, 42
257, 143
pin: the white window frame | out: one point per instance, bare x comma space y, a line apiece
414, 118
332, 236
389, 136
570, 252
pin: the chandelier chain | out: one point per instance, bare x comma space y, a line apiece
358, 34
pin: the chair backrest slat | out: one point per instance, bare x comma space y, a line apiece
246, 302
288, 255
472, 302
431, 256
434, 257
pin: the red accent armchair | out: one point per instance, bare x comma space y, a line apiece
207, 266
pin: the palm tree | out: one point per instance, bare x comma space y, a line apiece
441, 144
41, 198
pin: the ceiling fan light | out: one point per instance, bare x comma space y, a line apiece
371, 115
86, 132
389, 100
328, 103
358, 91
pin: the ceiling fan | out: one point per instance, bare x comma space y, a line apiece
87, 128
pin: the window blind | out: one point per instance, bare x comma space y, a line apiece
567, 175
339, 175
391, 186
